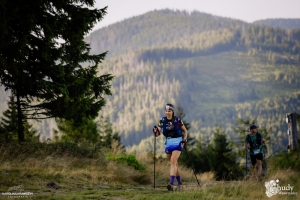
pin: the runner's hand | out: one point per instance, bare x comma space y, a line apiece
156, 131
183, 142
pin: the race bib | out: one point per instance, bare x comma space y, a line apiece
256, 151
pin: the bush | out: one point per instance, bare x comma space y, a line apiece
130, 160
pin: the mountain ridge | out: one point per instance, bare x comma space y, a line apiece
135, 27
290, 23
144, 29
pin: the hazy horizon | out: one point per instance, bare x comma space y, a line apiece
248, 11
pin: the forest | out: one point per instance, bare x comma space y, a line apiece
217, 69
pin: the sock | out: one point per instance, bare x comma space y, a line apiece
172, 178
178, 179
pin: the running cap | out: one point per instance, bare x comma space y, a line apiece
253, 126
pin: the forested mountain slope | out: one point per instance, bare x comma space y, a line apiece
153, 29
205, 72
217, 69
208, 88
280, 23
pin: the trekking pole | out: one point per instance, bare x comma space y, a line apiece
154, 159
191, 163
246, 163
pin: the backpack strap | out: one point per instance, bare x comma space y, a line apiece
162, 124
177, 120
249, 140
258, 138
177, 126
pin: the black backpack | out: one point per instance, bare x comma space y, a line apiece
258, 140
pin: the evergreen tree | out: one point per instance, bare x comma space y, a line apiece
85, 132
2, 134
106, 133
180, 113
190, 140
9, 121
199, 157
222, 159
42, 52
9, 124
31, 135
97, 133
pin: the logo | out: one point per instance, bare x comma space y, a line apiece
16, 192
273, 188
169, 126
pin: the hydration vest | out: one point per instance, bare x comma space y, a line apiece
258, 140
177, 126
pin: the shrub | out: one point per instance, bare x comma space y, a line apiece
130, 160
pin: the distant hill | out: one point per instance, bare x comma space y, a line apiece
217, 69
154, 29
279, 23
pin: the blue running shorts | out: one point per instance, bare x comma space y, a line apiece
172, 144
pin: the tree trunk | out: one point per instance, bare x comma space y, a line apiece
20, 120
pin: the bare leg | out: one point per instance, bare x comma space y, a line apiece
259, 169
173, 158
173, 163
254, 175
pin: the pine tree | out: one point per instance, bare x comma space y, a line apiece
180, 113
190, 140
2, 134
199, 157
84, 133
31, 135
106, 133
9, 121
99, 133
42, 51
9, 124
222, 159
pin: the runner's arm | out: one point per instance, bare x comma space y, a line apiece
159, 131
246, 145
185, 132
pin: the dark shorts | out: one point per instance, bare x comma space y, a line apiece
256, 157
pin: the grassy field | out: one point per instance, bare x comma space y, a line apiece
81, 172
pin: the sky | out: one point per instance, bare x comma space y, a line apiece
246, 10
